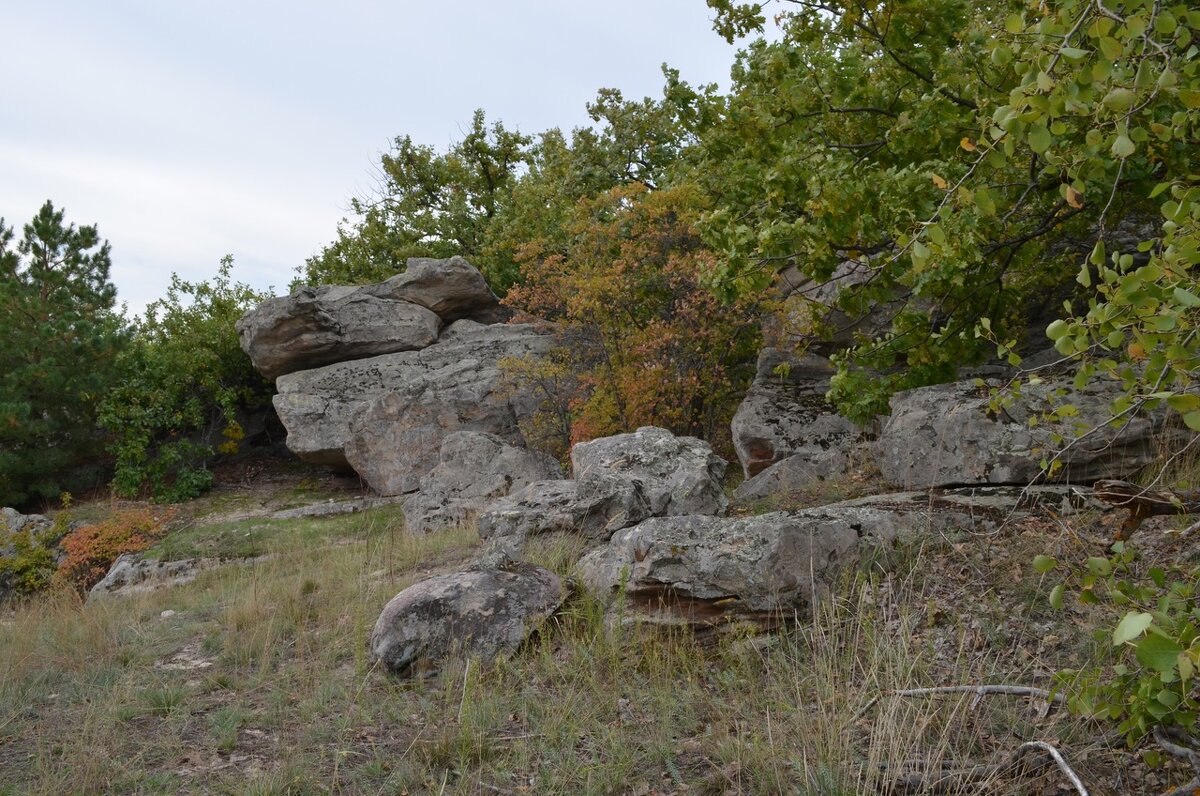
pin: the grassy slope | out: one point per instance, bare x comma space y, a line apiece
259, 682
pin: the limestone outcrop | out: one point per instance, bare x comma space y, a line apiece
619, 481
388, 414
473, 469
317, 326
947, 434
770, 568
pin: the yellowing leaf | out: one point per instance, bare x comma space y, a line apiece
1136, 351
939, 182
1118, 100
1074, 198
1123, 147
967, 144
1133, 625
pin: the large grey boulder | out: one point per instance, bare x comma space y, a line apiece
771, 567
946, 435
704, 569
785, 414
592, 508
317, 326
482, 613
452, 288
473, 469
679, 475
393, 410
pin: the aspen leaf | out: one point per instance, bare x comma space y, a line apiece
1118, 100
1044, 563
939, 182
1110, 48
1133, 625
1123, 147
1186, 298
967, 144
1136, 351
1074, 198
1040, 139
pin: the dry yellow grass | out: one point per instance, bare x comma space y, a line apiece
260, 683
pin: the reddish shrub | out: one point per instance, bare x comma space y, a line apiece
91, 549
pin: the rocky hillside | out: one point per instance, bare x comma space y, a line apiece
641, 618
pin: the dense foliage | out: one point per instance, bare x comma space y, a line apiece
186, 384
972, 154
651, 344
59, 337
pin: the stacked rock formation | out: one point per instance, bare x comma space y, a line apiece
376, 377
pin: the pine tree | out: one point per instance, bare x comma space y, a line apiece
58, 339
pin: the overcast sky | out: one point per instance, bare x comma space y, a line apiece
188, 131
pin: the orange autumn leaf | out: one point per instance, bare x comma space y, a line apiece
939, 182
967, 144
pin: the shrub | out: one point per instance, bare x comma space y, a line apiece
29, 565
91, 549
652, 345
186, 377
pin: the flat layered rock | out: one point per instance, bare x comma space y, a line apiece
317, 326
947, 435
708, 569
455, 384
592, 508
771, 567
796, 474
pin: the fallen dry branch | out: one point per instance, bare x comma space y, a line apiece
980, 691
943, 779
1177, 743
1142, 502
